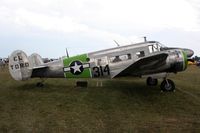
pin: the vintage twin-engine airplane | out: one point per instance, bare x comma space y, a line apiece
148, 59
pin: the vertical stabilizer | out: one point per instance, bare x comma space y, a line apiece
19, 66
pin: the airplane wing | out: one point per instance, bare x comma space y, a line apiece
144, 66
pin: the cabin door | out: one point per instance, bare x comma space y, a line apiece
103, 61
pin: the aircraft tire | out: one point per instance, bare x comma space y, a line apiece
151, 81
167, 85
39, 84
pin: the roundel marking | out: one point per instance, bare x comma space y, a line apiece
76, 67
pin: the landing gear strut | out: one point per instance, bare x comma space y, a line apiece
151, 81
167, 85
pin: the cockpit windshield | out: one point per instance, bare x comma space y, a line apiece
155, 47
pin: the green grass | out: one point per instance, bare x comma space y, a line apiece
121, 105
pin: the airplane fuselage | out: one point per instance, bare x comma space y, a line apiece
110, 63
147, 59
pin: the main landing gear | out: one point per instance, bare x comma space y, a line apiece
167, 85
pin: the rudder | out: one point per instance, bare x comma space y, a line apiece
19, 66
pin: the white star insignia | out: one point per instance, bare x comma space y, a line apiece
76, 67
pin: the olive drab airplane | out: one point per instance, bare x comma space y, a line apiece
149, 59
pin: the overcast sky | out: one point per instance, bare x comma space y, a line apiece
48, 27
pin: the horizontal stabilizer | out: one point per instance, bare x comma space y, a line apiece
40, 67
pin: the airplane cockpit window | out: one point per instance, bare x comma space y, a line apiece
140, 54
154, 47
120, 58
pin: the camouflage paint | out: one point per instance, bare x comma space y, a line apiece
86, 73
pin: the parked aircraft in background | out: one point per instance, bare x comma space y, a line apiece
3, 62
46, 60
148, 59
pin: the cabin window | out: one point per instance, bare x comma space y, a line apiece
120, 58
98, 62
101, 61
140, 54
129, 56
115, 59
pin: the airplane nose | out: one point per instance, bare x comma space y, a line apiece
189, 52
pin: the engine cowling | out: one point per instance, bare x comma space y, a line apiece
177, 61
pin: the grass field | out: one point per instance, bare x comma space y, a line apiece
121, 105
